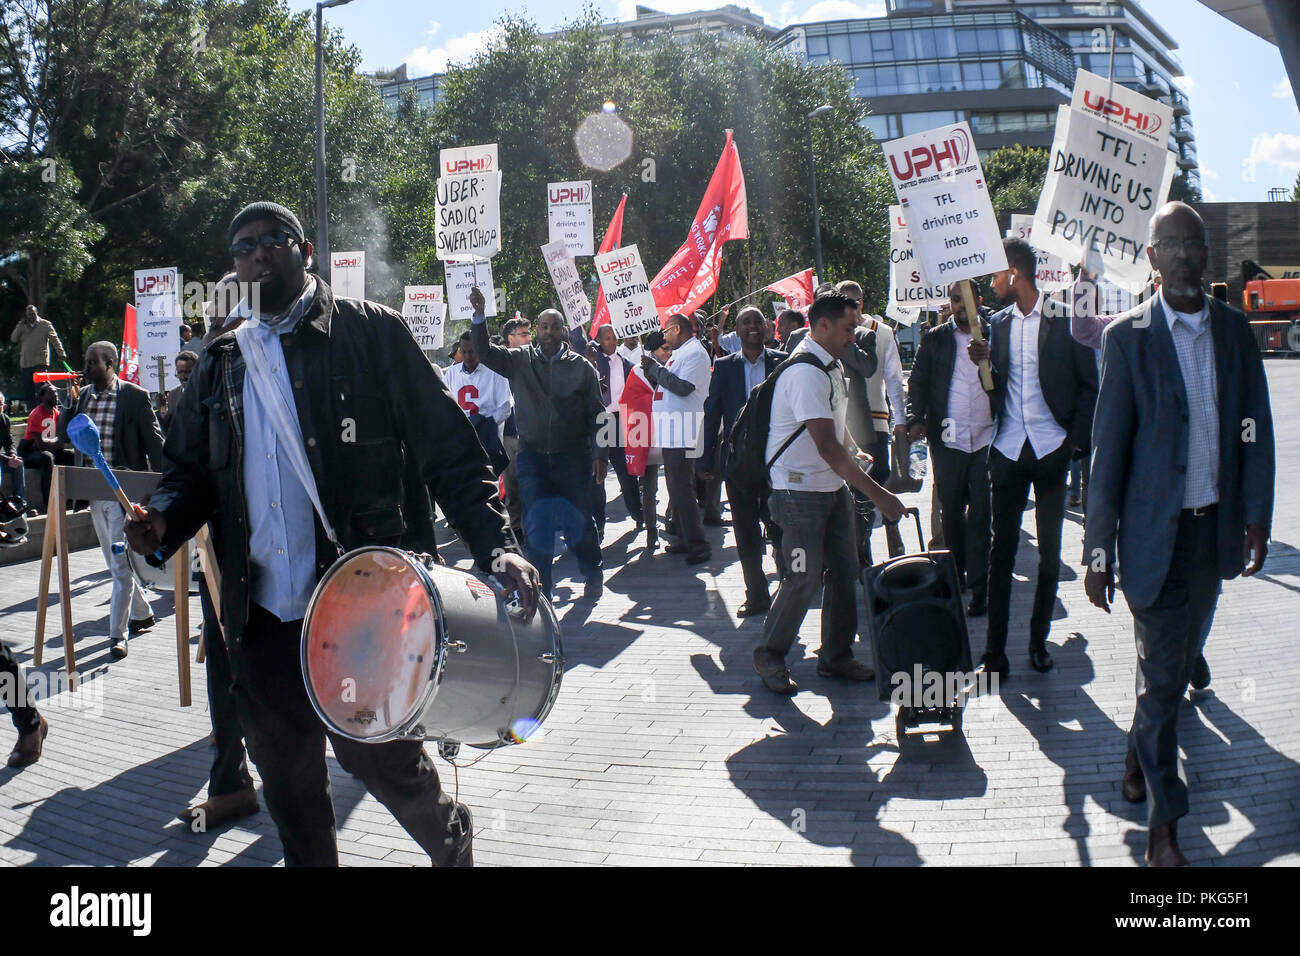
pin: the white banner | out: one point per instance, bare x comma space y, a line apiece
908, 292
463, 160
1101, 191
940, 185
467, 215
348, 274
158, 325
569, 218
462, 276
568, 284
1125, 111
1053, 272
425, 313
627, 291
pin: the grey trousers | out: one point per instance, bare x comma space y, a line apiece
128, 602
1170, 636
818, 541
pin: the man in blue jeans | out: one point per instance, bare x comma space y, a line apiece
558, 413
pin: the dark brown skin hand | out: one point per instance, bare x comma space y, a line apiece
521, 577
1256, 541
1100, 587
477, 302
145, 529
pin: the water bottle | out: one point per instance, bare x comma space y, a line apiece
916, 461
119, 547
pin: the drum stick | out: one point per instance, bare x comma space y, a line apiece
976, 333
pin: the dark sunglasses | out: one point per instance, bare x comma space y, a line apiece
267, 240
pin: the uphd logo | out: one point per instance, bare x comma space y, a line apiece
1148, 123
569, 194
931, 689
155, 284
458, 167
76, 909
615, 265
953, 152
422, 297
346, 263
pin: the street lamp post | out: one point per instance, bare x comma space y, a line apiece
812, 185
322, 217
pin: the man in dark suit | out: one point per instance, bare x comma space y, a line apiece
613, 371
1044, 390
130, 438
734, 377
1181, 492
947, 405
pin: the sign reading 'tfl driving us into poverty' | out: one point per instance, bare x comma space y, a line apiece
940, 186
424, 310
569, 218
632, 308
1110, 170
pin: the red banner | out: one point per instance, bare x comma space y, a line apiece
130, 349
613, 239
797, 289
691, 275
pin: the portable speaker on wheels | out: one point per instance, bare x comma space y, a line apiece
917, 626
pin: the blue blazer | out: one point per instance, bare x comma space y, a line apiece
727, 396
1139, 458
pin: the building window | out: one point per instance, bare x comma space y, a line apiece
920, 122
882, 127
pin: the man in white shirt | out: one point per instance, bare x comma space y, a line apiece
810, 501
949, 407
1044, 393
681, 387
477, 389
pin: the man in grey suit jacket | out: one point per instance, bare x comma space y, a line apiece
1181, 492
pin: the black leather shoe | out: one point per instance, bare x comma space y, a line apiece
135, 627
977, 607
1039, 658
1162, 846
1200, 673
992, 663
699, 557
117, 650
676, 548
773, 670
752, 607
1134, 786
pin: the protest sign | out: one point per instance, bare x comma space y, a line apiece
568, 284
462, 275
1110, 170
463, 160
909, 293
467, 215
158, 320
627, 291
568, 213
1053, 273
348, 274
424, 310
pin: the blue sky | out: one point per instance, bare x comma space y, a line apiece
1247, 123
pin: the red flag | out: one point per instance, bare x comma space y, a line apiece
613, 239
130, 349
797, 289
691, 275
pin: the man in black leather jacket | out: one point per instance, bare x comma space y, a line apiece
349, 366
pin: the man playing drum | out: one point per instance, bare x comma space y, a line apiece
317, 427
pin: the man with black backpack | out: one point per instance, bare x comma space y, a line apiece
802, 409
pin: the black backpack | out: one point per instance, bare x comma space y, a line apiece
748, 467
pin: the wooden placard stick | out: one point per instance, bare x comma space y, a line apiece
181, 567
47, 560
976, 333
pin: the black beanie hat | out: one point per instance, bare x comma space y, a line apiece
265, 210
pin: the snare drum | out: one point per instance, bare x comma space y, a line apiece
395, 646
161, 578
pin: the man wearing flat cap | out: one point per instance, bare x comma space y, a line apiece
286, 438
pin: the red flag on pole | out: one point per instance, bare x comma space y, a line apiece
691, 275
797, 289
613, 239
130, 349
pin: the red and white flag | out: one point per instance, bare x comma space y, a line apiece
613, 240
691, 275
797, 290
130, 349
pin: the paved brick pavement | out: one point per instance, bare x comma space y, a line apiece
665, 749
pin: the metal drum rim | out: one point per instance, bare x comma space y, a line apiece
401, 729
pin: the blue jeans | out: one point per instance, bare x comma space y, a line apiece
556, 494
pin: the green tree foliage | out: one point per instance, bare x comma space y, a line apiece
1015, 176
1295, 193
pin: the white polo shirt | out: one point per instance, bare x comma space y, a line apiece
677, 418
804, 392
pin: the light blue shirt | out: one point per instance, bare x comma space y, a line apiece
1194, 344
755, 372
281, 525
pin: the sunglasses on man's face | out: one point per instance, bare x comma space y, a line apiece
267, 240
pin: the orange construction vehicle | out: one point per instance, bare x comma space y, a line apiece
1273, 307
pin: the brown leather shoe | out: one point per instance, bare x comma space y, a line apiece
27, 750
215, 811
850, 668
773, 670
1134, 787
1162, 846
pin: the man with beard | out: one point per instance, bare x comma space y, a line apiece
291, 438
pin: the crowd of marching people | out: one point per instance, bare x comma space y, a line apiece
805, 421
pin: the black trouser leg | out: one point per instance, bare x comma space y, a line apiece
749, 544
1049, 477
628, 484
963, 487
1009, 483
650, 503
12, 682
680, 472
229, 772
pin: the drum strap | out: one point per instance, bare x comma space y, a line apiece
284, 423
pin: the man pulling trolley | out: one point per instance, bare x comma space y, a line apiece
319, 427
